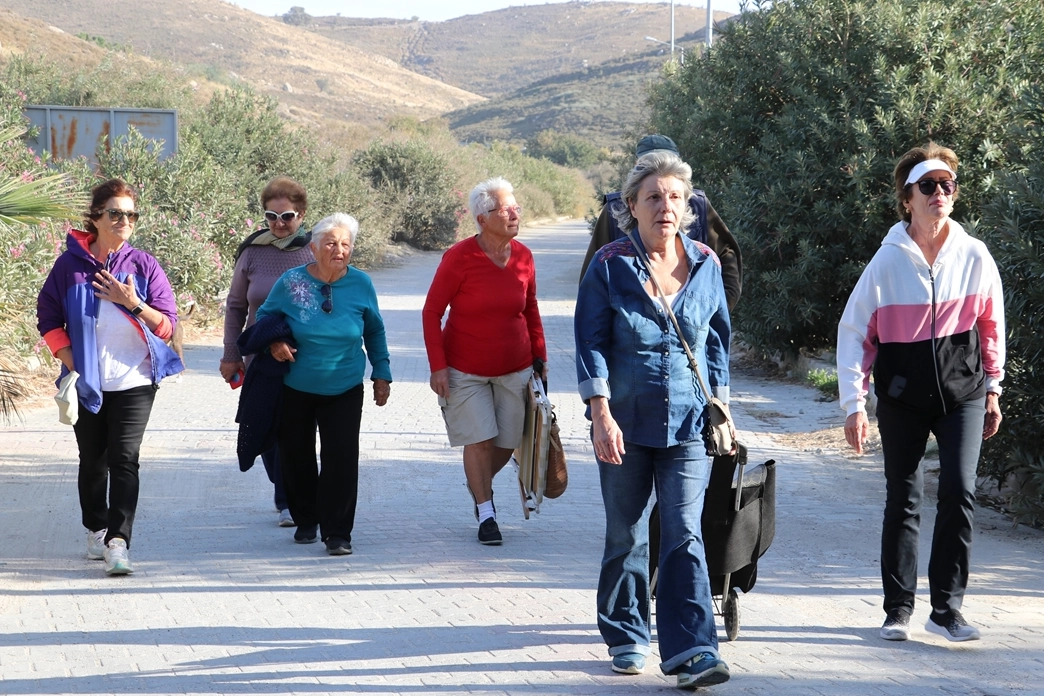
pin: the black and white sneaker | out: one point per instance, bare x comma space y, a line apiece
896, 626
951, 626
489, 533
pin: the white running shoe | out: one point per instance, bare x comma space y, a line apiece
285, 519
117, 558
96, 545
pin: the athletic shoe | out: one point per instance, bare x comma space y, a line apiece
96, 544
306, 534
702, 670
285, 520
117, 558
629, 663
489, 533
896, 625
338, 546
951, 626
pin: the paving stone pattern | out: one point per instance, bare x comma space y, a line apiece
222, 600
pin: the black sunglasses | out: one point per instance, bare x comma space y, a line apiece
327, 292
288, 216
115, 214
927, 186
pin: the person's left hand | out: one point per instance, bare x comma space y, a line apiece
381, 391
108, 288
540, 368
993, 419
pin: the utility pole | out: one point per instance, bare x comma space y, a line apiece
672, 28
710, 24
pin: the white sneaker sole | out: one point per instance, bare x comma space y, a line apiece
932, 627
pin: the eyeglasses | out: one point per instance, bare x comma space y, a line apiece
927, 186
287, 216
505, 210
327, 292
115, 214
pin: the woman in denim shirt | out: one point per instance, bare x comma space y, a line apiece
647, 416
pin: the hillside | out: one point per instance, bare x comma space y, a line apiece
316, 78
598, 104
499, 52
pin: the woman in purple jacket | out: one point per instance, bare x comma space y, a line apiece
105, 311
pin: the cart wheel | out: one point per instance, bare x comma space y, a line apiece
731, 613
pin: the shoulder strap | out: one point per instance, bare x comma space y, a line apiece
670, 312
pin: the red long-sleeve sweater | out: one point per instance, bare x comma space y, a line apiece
494, 323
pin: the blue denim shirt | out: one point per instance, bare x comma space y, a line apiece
628, 350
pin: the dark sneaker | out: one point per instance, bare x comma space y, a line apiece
338, 546
489, 533
702, 670
306, 534
896, 626
629, 663
951, 626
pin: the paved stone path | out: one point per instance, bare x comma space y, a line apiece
223, 602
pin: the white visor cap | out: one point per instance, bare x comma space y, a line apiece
932, 165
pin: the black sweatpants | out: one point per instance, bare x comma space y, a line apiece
109, 442
904, 434
326, 497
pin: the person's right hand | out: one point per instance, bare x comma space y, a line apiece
857, 429
439, 382
281, 351
229, 369
65, 356
606, 434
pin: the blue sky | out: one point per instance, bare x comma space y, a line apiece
430, 10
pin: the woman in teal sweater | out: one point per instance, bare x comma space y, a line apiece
331, 309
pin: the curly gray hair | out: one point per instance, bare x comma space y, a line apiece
337, 221
481, 200
659, 164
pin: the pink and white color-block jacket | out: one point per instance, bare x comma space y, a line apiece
934, 335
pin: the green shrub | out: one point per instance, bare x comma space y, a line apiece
564, 149
415, 182
825, 381
794, 120
1014, 222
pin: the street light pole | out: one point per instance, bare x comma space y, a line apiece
710, 24
672, 26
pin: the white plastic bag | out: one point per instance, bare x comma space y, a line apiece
67, 400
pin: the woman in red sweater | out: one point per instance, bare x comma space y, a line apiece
482, 359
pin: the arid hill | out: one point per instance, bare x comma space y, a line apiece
315, 77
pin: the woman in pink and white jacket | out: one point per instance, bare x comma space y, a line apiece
927, 316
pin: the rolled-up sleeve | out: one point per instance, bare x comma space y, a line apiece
592, 329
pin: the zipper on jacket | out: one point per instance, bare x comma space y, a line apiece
935, 355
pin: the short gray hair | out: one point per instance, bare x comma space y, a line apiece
337, 221
481, 200
659, 164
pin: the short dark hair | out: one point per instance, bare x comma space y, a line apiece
102, 194
285, 187
910, 160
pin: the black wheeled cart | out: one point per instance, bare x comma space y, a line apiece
739, 523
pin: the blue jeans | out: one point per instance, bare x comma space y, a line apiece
684, 611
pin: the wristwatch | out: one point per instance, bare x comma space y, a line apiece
139, 308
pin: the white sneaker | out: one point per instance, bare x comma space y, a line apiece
117, 558
96, 545
285, 519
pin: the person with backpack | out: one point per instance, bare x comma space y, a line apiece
707, 227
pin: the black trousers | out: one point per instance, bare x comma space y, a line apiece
326, 497
904, 434
109, 442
